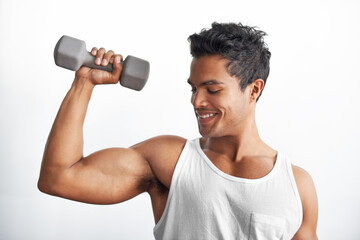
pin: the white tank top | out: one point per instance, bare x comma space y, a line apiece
206, 203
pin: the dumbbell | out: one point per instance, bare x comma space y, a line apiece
71, 53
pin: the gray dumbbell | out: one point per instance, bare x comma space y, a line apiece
71, 53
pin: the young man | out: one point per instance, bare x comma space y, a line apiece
226, 185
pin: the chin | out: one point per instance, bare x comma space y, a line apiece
209, 133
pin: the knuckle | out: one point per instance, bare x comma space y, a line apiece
109, 54
100, 52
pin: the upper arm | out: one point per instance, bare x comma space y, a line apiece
309, 202
118, 174
162, 154
104, 177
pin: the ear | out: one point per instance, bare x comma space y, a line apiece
255, 89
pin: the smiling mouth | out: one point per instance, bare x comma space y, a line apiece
205, 116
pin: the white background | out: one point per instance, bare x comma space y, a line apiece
309, 108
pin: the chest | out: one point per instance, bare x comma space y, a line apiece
247, 167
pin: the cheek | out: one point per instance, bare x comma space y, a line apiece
192, 98
237, 107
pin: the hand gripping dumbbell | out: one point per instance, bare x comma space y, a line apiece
71, 53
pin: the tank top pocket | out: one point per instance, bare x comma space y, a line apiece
264, 227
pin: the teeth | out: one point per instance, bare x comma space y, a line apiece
206, 115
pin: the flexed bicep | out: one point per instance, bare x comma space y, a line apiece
105, 177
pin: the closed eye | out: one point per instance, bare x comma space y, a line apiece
213, 92
209, 83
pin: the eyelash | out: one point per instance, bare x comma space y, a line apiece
212, 92
193, 90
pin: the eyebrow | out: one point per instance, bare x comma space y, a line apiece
209, 82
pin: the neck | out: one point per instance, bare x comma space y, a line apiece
244, 142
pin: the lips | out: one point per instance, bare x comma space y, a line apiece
205, 116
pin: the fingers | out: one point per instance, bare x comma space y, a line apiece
104, 58
99, 57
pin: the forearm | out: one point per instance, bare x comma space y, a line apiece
65, 142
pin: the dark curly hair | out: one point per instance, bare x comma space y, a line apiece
243, 46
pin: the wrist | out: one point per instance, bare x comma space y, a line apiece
83, 83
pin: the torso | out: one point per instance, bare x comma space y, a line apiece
164, 163
224, 199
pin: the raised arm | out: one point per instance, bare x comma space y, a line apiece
104, 177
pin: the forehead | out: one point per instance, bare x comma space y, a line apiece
208, 68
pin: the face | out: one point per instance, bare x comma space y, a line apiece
220, 106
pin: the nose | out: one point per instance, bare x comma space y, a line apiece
198, 99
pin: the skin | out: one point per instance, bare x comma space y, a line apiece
226, 120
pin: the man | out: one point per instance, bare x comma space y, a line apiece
226, 185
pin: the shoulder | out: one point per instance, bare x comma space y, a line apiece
301, 174
161, 153
306, 188
304, 181
160, 145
